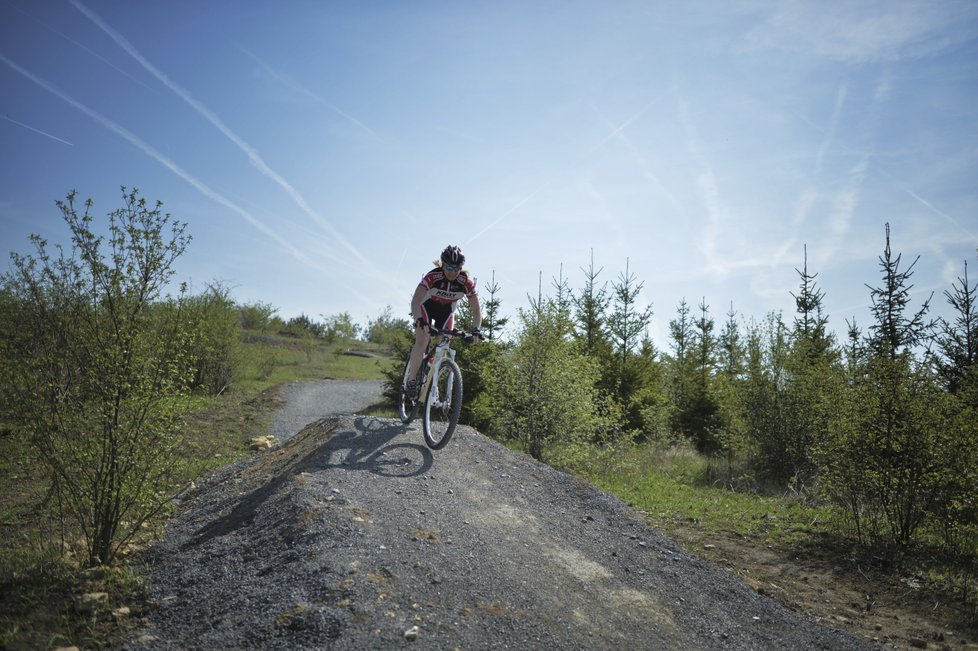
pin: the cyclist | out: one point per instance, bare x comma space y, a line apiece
434, 302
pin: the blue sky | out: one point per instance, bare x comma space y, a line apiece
323, 153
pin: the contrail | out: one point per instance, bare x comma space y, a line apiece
621, 127
647, 171
939, 212
77, 44
401, 261
253, 156
840, 100
147, 149
299, 88
43, 133
710, 190
507, 213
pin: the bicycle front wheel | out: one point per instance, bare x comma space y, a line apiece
443, 405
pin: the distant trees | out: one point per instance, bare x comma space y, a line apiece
256, 316
387, 330
541, 389
887, 436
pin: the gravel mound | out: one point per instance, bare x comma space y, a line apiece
354, 535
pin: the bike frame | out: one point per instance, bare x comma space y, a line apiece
442, 350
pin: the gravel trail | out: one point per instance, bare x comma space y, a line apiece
354, 535
306, 402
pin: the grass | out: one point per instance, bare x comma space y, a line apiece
673, 485
42, 583
676, 490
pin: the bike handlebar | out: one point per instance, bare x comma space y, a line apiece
468, 336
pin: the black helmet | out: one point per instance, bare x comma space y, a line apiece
453, 255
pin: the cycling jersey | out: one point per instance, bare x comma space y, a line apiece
442, 294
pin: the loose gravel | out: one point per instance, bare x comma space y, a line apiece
306, 402
354, 535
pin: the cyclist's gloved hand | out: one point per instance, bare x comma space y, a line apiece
420, 322
477, 335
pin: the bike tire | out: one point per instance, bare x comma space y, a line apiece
407, 408
442, 408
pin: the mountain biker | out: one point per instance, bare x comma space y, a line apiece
434, 302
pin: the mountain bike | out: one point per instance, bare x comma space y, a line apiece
441, 389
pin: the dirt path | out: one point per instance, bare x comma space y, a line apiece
354, 535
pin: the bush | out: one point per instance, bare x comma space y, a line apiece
389, 332
541, 391
215, 350
885, 456
256, 316
95, 371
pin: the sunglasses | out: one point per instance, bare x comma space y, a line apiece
453, 268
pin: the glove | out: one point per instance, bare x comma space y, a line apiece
420, 322
477, 334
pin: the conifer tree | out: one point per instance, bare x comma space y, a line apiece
885, 459
492, 322
627, 322
895, 332
855, 350
810, 322
682, 371
681, 336
701, 418
957, 340
542, 391
705, 341
590, 309
730, 348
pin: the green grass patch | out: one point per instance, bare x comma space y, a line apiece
672, 485
277, 359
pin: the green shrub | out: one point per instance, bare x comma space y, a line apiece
96, 373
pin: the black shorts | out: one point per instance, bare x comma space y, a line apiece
441, 314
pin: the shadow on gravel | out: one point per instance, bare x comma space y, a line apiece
320, 446
368, 447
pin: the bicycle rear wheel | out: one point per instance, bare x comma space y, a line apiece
407, 406
443, 405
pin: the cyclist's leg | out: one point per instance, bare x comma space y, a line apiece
421, 338
433, 312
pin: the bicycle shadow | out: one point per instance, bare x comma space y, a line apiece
367, 446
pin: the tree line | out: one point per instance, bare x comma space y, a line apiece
882, 424
96, 358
